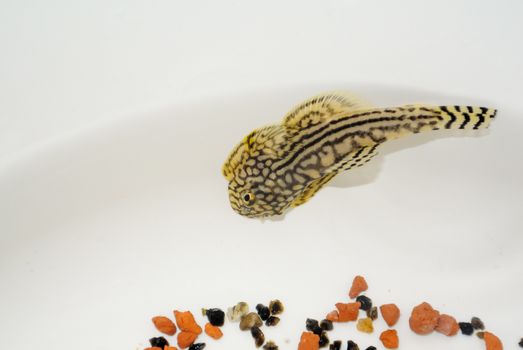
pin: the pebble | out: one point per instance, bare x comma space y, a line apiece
336, 345
477, 323
159, 342
348, 312
352, 345
272, 321
250, 320
311, 324
270, 345
423, 319
263, 311
358, 285
365, 325
324, 340
259, 337
390, 313
492, 342
373, 313
326, 325
447, 325
235, 313
309, 341
366, 302
389, 339
215, 316
466, 328
276, 307
333, 316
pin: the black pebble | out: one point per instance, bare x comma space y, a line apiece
324, 340
366, 302
521, 342
216, 317
466, 328
259, 337
197, 346
336, 345
263, 311
477, 323
310, 324
317, 330
326, 325
352, 345
159, 342
371, 348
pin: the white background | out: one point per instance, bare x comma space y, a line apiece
115, 117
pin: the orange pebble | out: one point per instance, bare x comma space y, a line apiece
390, 313
358, 285
333, 316
348, 312
185, 339
164, 325
492, 342
170, 348
447, 325
390, 339
153, 348
423, 319
309, 341
213, 331
186, 322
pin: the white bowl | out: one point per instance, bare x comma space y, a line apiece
107, 228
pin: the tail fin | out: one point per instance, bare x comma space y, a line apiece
465, 117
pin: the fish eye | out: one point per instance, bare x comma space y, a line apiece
248, 198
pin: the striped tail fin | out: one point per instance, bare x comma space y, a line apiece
465, 117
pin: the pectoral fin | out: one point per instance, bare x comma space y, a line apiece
311, 189
352, 160
355, 159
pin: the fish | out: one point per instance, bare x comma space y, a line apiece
283, 165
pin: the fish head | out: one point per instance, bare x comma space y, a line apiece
254, 189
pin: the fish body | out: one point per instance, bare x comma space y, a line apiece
283, 165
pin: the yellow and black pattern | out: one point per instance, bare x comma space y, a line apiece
284, 165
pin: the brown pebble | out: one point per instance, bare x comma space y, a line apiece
373, 313
270, 345
423, 319
276, 307
259, 337
272, 321
477, 323
252, 319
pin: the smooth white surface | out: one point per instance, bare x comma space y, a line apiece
115, 120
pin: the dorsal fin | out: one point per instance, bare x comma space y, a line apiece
322, 107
